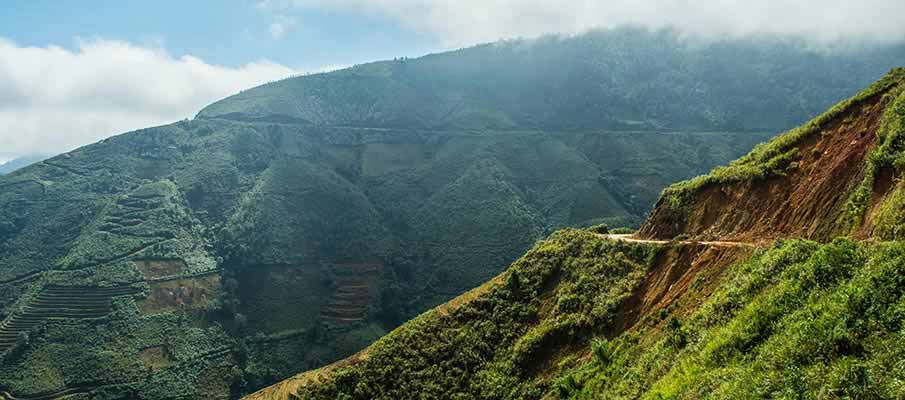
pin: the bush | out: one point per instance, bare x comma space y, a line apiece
553, 297
622, 231
600, 348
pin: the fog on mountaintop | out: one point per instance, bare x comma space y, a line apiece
89, 99
465, 22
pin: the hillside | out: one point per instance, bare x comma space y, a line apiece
294, 224
625, 79
842, 166
780, 275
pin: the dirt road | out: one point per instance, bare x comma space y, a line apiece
717, 243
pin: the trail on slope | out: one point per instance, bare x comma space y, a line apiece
630, 238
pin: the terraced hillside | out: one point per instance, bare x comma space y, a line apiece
802, 298
295, 223
356, 288
59, 303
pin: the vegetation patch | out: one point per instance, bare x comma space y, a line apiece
444, 169
890, 154
153, 269
798, 320
156, 358
186, 293
561, 291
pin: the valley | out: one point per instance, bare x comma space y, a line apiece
777, 274
358, 223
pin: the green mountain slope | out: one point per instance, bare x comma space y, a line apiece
620, 79
294, 224
760, 313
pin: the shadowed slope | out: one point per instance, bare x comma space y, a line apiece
686, 318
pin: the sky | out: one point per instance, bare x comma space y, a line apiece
76, 71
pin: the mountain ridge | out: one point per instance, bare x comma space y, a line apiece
559, 97
245, 250
694, 318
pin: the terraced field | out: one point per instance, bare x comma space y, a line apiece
50, 395
60, 303
356, 289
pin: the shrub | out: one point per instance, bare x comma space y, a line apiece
600, 348
622, 231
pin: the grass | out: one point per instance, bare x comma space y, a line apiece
890, 219
798, 320
889, 154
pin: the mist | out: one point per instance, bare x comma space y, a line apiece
464, 22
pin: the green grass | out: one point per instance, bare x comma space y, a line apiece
799, 320
890, 154
890, 219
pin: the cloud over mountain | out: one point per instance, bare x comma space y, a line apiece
459, 22
53, 99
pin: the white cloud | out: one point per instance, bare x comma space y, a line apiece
280, 25
462, 22
53, 99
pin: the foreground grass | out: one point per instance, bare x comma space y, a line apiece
800, 320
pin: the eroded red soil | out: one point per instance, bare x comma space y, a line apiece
806, 202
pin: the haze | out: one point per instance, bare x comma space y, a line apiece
56, 94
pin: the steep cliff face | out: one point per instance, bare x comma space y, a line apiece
785, 279
826, 178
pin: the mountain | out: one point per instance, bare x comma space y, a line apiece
18, 163
779, 275
293, 224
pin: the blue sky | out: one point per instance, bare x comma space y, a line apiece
78, 71
226, 32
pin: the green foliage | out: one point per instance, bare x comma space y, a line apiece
889, 155
641, 79
890, 219
113, 346
602, 352
489, 346
622, 230
602, 229
799, 320
443, 168
19, 163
